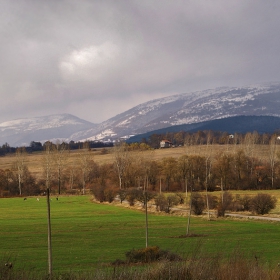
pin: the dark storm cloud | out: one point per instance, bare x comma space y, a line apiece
95, 59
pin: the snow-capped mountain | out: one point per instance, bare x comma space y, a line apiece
174, 110
54, 127
189, 108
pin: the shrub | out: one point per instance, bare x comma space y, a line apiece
172, 200
132, 195
122, 194
103, 193
150, 254
198, 203
110, 194
263, 203
213, 201
237, 203
98, 192
165, 203
142, 196
225, 203
245, 201
181, 197
161, 202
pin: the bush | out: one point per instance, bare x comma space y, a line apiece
161, 202
245, 201
132, 195
110, 194
213, 201
172, 200
165, 203
98, 192
198, 203
263, 203
142, 196
181, 197
150, 254
225, 203
103, 193
122, 194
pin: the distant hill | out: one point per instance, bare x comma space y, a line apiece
193, 109
54, 127
240, 124
189, 108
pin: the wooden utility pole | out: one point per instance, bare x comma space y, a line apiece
48, 161
190, 212
49, 233
146, 216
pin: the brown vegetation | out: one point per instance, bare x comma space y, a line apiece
207, 167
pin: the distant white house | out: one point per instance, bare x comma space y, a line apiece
165, 144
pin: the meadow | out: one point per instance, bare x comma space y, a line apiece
86, 235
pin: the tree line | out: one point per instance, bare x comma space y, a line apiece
236, 168
203, 137
36, 146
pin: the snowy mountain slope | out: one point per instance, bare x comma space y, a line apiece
189, 108
23, 131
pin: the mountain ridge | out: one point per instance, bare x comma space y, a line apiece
185, 108
231, 125
190, 108
52, 127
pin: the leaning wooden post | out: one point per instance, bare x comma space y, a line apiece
146, 216
49, 233
190, 212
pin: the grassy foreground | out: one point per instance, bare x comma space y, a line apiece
87, 235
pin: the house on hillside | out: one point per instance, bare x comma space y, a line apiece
165, 144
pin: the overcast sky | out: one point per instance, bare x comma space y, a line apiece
97, 58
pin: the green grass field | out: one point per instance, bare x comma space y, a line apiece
86, 234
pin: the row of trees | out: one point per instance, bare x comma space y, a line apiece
232, 169
199, 202
36, 146
204, 137
177, 138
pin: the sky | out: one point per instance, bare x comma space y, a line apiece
98, 58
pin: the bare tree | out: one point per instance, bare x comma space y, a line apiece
189, 214
85, 158
249, 143
122, 161
183, 170
48, 168
169, 169
20, 166
146, 170
208, 168
61, 154
48, 164
273, 148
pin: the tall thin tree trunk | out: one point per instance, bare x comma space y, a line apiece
59, 181
146, 217
222, 189
19, 183
186, 183
189, 216
49, 233
206, 188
